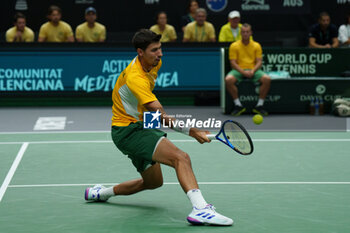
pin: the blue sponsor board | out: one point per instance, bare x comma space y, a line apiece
96, 71
217, 5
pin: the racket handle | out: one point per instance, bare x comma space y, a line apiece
211, 136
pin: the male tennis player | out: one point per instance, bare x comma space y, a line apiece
148, 148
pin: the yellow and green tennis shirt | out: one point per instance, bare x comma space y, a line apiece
52, 33
87, 34
27, 35
226, 33
245, 55
132, 90
169, 33
195, 33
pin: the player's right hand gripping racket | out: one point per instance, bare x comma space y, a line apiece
235, 136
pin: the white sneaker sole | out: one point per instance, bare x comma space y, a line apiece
194, 221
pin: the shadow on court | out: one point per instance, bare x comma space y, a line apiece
128, 206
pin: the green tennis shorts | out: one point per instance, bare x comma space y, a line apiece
137, 143
257, 76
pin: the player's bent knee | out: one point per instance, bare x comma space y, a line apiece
267, 79
178, 157
229, 79
184, 158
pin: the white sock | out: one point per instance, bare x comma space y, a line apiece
237, 102
196, 198
107, 192
260, 102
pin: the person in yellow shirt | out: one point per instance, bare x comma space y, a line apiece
199, 30
231, 31
246, 59
162, 28
90, 31
19, 32
55, 30
146, 145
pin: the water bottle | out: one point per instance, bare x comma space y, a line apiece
312, 106
317, 107
321, 110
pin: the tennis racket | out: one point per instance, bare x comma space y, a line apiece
235, 136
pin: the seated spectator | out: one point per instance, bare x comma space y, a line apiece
231, 31
55, 30
200, 30
19, 32
90, 31
246, 59
162, 28
344, 32
323, 34
191, 9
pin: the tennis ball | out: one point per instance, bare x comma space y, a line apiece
258, 119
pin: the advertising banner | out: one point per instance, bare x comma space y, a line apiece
292, 95
307, 62
304, 62
95, 71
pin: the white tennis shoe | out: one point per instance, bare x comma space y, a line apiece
208, 215
93, 194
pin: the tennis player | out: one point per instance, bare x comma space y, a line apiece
148, 148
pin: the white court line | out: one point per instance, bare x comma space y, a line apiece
12, 170
56, 132
253, 130
192, 140
201, 183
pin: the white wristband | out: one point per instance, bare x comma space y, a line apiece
184, 130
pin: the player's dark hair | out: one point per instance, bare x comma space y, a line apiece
144, 37
17, 16
323, 13
159, 13
190, 3
53, 8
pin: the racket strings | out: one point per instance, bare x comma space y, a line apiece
237, 137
